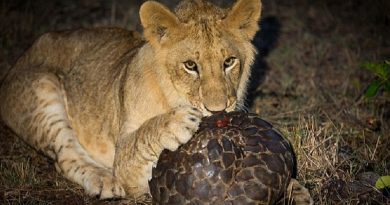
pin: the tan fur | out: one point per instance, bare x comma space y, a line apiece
298, 194
104, 103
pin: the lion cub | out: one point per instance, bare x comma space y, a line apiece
103, 103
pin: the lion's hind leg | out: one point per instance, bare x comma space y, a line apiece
33, 106
298, 194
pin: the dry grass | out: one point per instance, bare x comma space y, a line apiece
313, 92
310, 87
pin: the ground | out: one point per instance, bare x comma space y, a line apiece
308, 81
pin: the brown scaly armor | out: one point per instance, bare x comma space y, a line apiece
234, 158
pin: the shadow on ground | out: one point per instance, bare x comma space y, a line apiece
264, 41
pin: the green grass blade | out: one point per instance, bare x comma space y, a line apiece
372, 89
382, 182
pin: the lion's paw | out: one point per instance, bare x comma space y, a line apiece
182, 123
299, 194
101, 183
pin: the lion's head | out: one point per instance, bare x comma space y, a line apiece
204, 50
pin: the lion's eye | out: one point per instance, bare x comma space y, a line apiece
191, 66
229, 63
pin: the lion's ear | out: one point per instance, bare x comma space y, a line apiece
158, 22
244, 16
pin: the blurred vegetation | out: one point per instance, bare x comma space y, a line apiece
382, 73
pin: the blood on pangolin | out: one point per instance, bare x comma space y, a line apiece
222, 122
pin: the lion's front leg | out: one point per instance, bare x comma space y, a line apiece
138, 152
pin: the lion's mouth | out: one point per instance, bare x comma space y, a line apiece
207, 113
204, 111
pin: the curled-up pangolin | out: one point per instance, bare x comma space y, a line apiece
235, 158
